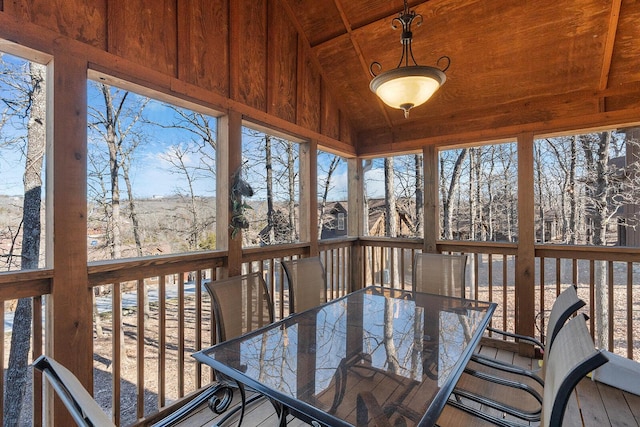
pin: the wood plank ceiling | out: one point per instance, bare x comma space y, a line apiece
513, 62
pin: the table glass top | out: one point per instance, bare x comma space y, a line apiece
399, 348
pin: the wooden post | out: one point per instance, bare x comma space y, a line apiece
356, 219
525, 260
308, 195
229, 161
431, 203
69, 334
223, 207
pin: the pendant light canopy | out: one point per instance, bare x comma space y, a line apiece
408, 85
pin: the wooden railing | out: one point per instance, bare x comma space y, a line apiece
176, 320
336, 256
608, 279
490, 270
24, 284
142, 357
151, 314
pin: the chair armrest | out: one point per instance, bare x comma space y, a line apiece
189, 408
500, 406
482, 415
517, 336
505, 367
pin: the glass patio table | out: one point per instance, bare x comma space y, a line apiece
375, 354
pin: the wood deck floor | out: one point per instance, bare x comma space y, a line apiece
592, 404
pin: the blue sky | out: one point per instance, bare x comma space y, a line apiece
152, 173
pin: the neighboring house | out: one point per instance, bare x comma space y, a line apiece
334, 221
628, 215
552, 227
405, 226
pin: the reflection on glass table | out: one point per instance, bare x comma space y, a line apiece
371, 353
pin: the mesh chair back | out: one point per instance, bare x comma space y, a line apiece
240, 304
307, 283
439, 274
572, 356
80, 404
565, 305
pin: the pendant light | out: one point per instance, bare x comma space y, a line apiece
409, 85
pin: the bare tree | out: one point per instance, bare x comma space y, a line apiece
596, 151
35, 108
419, 176
115, 121
563, 148
507, 197
126, 166
368, 166
291, 179
390, 198
178, 157
325, 188
269, 168
408, 184
201, 148
448, 192
488, 169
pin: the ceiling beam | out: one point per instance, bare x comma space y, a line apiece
360, 55
614, 18
560, 126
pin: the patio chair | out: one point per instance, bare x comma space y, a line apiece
571, 358
240, 304
484, 368
307, 283
439, 274
85, 410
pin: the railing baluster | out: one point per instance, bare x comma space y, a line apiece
162, 341
505, 283
630, 327
592, 293
542, 297
140, 294
117, 350
181, 381
2, 350
335, 270
36, 351
490, 274
198, 324
611, 305
558, 275
476, 275
402, 254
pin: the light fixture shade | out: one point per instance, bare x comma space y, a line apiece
407, 87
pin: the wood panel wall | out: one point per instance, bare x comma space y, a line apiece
247, 51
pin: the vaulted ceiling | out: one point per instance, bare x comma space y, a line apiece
513, 62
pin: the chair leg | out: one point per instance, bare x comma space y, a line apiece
220, 405
243, 396
187, 409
